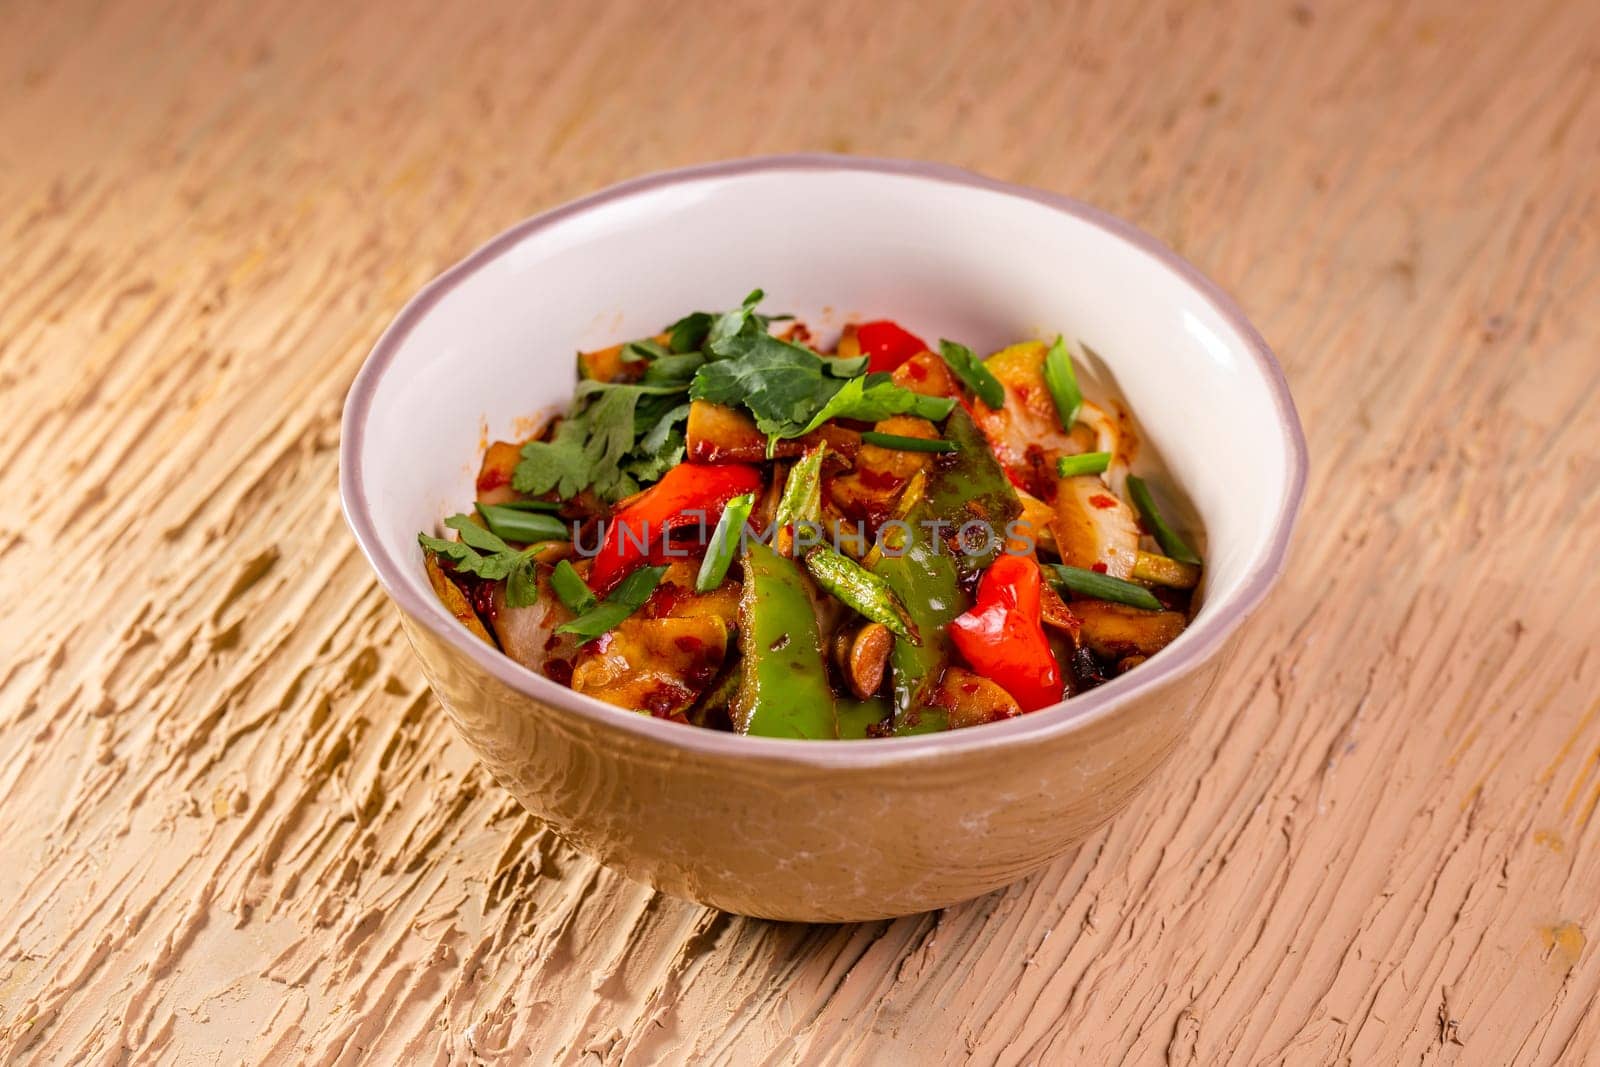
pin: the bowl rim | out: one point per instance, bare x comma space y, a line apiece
1205, 638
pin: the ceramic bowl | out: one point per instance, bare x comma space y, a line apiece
816, 830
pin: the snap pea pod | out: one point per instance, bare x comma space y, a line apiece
783, 688
857, 718
966, 487
858, 588
924, 578
801, 501
969, 491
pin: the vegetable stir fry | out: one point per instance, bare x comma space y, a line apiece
736, 527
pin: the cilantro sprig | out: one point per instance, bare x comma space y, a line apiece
486, 555
789, 389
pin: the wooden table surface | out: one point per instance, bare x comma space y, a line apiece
236, 825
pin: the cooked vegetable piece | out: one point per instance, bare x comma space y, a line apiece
968, 487
687, 495
527, 633
1003, 635
571, 589
1163, 570
1034, 528
609, 365
1168, 538
924, 577
970, 369
864, 658
519, 524
801, 503
453, 599
1105, 587
860, 589
1062, 381
724, 543
1114, 631
656, 665
628, 597
905, 444
1083, 463
494, 475
886, 344
1094, 528
970, 699
717, 433
861, 718
784, 690
1028, 427
927, 374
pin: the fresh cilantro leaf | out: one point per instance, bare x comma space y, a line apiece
791, 390
462, 556
481, 553
591, 446
522, 585
660, 449
689, 333
476, 536
742, 321
781, 384
875, 396
846, 366
673, 369
559, 463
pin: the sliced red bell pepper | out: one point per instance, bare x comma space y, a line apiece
886, 345
690, 493
1003, 636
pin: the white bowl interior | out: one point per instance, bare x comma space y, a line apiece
975, 264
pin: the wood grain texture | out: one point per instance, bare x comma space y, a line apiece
236, 825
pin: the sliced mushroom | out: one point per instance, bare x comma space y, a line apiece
863, 657
1116, 631
972, 699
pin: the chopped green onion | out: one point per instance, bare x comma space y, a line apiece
627, 598
860, 589
1063, 383
1168, 538
572, 589
724, 543
1083, 463
530, 505
1104, 587
906, 444
970, 369
516, 524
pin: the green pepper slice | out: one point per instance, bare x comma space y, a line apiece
965, 487
784, 690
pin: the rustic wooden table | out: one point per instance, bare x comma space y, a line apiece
236, 825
